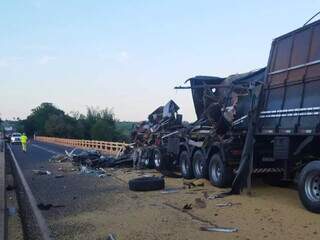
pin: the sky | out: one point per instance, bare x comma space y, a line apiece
129, 54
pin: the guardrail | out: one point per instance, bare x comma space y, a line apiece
36, 226
3, 208
111, 148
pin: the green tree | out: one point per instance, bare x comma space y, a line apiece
35, 122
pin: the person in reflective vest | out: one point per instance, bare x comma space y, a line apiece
24, 140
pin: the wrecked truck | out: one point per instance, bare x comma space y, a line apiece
148, 136
276, 125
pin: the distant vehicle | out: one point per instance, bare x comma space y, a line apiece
15, 138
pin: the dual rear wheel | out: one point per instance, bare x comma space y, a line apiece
216, 170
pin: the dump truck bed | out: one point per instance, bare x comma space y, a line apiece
291, 103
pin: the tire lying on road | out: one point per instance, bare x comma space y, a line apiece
309, 186
146, 184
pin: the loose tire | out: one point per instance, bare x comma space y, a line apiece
146, 184
220, 174
199, 164
309, 186
185, 165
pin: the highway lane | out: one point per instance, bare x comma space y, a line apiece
77, 193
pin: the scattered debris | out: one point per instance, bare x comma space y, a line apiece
205, 195
59, 176
215, 196
218, 229
111, 237
227, 204
41, 172
172, 190
200, 203
188, 206
96, 172
196, 183
46, 207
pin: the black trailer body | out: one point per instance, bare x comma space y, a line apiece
288, 125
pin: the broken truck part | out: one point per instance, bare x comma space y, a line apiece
150, 137
213, 144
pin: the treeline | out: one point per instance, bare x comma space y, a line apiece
48, 120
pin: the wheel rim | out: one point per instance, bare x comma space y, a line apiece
216, 172
146, 161
199, 166
157, 159
312, 186
184, 165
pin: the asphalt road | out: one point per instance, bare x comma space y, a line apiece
74, 192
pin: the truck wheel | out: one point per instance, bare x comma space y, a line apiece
185, 165
160, 161
309, 186
146, 184
220, 174
199, 164
149, 160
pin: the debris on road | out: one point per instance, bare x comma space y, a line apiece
89, 171
188, 206
94, 159
41, 172
46, 207
215, 196
218, 229
228, 204
195, 183
59, 176
111, 237
172, 190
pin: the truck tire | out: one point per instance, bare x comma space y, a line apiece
220, 175
149, 160
199, 164
309, 186
159, 160
146, 184
185, 165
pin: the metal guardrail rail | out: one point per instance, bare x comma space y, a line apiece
111, 148
3, 208
42, 230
